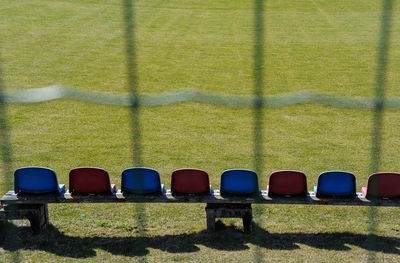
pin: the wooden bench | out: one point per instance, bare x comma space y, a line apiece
34, 207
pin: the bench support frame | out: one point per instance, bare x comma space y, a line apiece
37, 214
34, 207
243, 211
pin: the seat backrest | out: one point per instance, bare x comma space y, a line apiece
140, 180
287, 182
239, 181
336, 184
190, 181
383, 185
35, 180
89, 180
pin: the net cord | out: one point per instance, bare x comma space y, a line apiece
136, 137
377, 117
258, 80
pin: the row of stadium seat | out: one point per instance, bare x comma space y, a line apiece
140, 180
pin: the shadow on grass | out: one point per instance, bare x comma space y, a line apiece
226, 239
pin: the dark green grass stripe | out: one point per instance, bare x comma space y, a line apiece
379, 107
173, 97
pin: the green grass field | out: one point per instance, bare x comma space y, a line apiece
326, 46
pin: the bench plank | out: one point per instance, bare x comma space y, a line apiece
34, 207
215, 197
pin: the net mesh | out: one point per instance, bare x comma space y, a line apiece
378, 111
257, 101
131, 68
258, 81
7, 167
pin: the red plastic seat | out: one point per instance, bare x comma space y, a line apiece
382, 185
190, 181
287, 182
90, 180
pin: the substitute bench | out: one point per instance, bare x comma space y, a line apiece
34, 208
36, 187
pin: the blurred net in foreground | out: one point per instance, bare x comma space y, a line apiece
379, 107
257, 101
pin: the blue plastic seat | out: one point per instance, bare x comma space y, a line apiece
36, 180
141, 180
336, 184
239, 182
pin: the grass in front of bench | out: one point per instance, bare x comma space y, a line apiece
207, 45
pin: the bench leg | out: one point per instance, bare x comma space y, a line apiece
242, 211
39, 219
3, 218
247, 222
35, 223
210, 220
46, 215
37, 214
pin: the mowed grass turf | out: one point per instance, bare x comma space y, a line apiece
327, 46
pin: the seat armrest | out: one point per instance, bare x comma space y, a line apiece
113, 188
61, 188
364, 191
